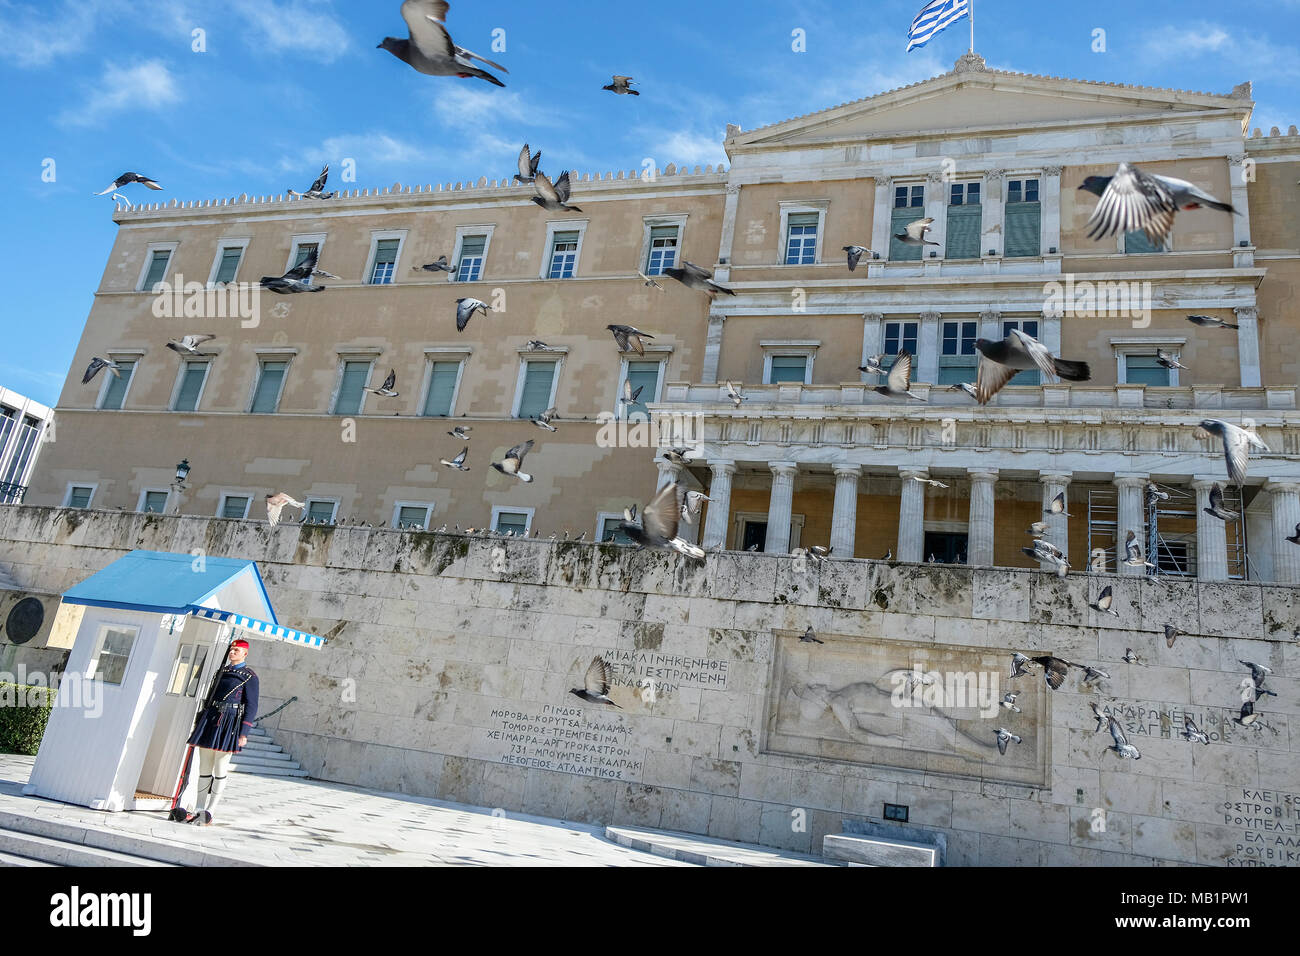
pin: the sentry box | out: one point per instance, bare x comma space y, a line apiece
154, 631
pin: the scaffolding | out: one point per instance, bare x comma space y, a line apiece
1169, 532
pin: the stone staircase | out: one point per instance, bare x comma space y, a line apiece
264, 756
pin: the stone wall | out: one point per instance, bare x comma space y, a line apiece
450, 660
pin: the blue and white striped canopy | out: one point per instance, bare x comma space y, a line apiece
261, 628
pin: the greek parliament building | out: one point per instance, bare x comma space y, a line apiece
813, 455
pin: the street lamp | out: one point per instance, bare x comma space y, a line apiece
182, 472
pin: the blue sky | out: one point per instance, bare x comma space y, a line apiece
103, 86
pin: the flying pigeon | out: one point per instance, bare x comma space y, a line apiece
1133, 199
659, 521
999, 362
459, 461
693, 277
810, 637
1004, 737
855, 253
1210, 322
630, 396
819, 554
1131, 658
1104, 601
1216, 505
461, 432
1168, 360
733, 393
126, 179
622, 85
629, 513
1044, 550
514, 461
465, 308
1093, 674
1057, 506
1097, 564
1173, 633
298, 279
1019, 664
933, 482
1037, 529
1295, 538
1009, 701
96, 364
967, 387
1122, 746
438, 265
315, 192
873, 366
1102, 715
1193, 733
1258, 672
430, 49
678, 456
1054, 669
189, 344
553, 196
629, 338
899, 380
647, 280
537, 345
527, 166
276, 503
1133, 552
692, 504
1154, 492
544, 419
913, 233
595, 682
1248, 715
388, 389
1237, 443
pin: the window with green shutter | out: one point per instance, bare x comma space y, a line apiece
1023, 229
645, 376
964, 213
192, 378
155, 502
321, 512
1144, 370
1137, 243
381, 273
80, 497
898, 220
413, 516
270, 382
235, 506
442, 388
471, 258
230, 257
157, 268
957, 359
516, 521
116, 390
304, 250
788, 368
351, 388
536, 395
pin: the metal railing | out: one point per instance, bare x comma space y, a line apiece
11, 494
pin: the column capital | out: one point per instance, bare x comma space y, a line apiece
1282, 486
884, 182
992, 176
907, 474
930, 316
784, 468
733, 189
1207, 481
1052, 170
717, 317
990, 315
722, 466
848, 469
934, 177
982, 474
1247, 313
1125, 479
1053, 478
874, 316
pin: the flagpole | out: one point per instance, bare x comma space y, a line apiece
972, 26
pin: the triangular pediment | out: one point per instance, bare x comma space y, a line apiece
973, 98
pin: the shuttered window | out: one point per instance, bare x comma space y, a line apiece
471, 258
157, 268
80, 497
116, 390
1144, 370
645, 376
381, 273
355, 376
270, 381
663, 250
1137, 243
229, 264
413, 516
187, 396
801, 238
898, 220
1023, 229
788, 368
442, 388
536, 395
321, 512
235, 506
516, 521
155, 502
963, 230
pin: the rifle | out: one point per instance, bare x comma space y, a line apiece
177, 814
262, 717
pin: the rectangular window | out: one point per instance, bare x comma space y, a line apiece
645, 376
79, 496
1144, 370
181, 669
108, 664
442, 388
536, 395
351, 388
116, 390
610, 531
471, 258
564, 255
909, 196
381, 273
958, 338
1023, 217
270, 383
413, 517
157, 268
235, 506
320, 512
1022, 190
663, 250
192, 378
24, 446
1137, 243
1029, 327
1173, 557
899, 251
230, 257
900, 336
516, 521
305, 249
7, 418
964, 214
155, 502
964, 194
801, 238
788, 368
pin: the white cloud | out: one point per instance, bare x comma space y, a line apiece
368, 149
1261, 56
689, 148
34, 39
300, 26
147, 85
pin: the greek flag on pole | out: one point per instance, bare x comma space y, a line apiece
936, 15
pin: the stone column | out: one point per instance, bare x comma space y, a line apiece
880, 217
911, 516
712, 349
729, 223
1211, 536
844, 519
925, 364
1239, 175
1049, 333
1058, 526
1132, 517
781, 507
1285, 495
992, 213
991, 325
979, 543
668, 473
719, 508
936, 208
1049, 197
871, 342
1248, 345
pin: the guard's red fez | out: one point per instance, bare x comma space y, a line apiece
240, 643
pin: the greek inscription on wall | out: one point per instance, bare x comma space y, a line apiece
667, 671
564, 739
1269, 821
